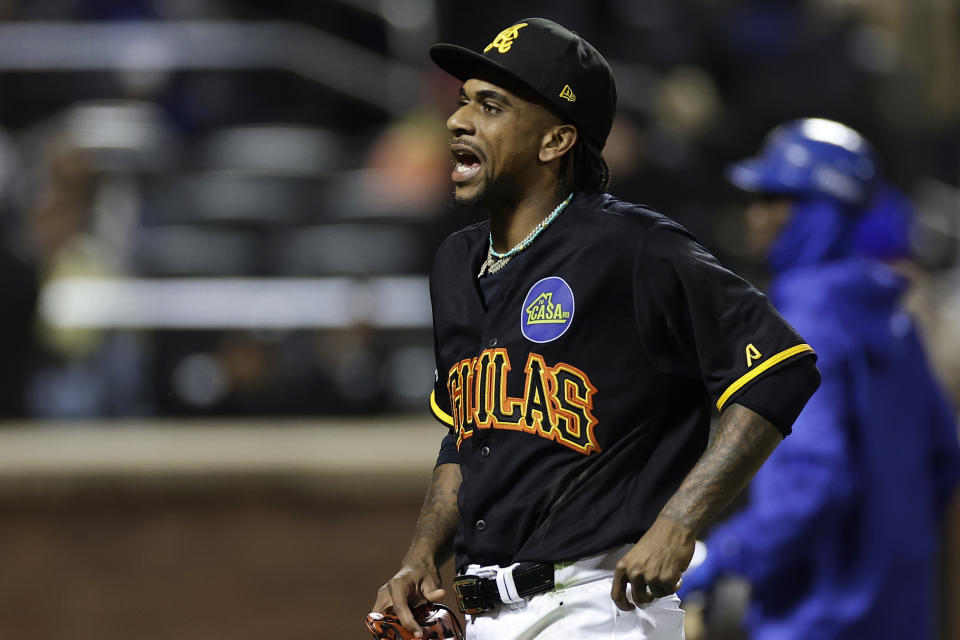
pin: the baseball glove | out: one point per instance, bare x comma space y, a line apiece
437, 621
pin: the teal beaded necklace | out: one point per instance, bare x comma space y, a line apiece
496, 261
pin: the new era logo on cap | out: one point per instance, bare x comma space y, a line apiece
551, 60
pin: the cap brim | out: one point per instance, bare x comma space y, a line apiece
747, 175
462, 63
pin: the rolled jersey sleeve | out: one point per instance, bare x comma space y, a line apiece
440, 410
699, 319
779, 396
439, 402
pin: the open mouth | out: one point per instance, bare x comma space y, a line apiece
467, 165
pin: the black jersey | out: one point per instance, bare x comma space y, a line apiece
579, 395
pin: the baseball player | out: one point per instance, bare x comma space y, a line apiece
851, 506
581, 345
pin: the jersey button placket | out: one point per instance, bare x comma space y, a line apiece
481, 525
484, 451
492, 342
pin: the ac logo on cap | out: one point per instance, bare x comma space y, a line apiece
567, 94
505, 38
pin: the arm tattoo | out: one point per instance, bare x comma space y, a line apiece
439, 515
742, 442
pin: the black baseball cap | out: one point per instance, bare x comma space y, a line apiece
556, 63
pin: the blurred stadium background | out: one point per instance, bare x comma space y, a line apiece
216, 217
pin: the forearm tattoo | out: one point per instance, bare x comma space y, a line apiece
439, 515
742, 442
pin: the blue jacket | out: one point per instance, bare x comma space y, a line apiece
839, 535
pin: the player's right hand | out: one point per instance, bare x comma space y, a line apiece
414, 583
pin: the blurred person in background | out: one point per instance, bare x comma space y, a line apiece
69, 377
408, 162
884, 232
841, 528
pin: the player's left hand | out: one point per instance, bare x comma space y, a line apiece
653, 566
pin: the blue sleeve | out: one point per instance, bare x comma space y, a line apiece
945, 450
804, 482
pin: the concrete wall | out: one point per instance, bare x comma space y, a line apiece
203, 531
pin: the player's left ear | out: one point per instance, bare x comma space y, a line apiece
557, 141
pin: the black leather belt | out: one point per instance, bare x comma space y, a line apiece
476, 594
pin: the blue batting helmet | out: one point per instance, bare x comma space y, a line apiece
811, 157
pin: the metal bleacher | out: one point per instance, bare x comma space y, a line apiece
258, 225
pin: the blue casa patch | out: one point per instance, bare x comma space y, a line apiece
547, 310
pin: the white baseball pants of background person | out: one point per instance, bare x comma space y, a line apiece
578, 608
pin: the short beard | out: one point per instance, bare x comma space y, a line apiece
493, 196
473, 204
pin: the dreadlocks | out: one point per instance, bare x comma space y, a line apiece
583, 169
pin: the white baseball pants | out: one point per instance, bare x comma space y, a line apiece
578, 608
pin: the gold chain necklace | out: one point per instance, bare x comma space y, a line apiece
496, 261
